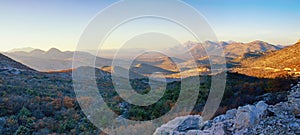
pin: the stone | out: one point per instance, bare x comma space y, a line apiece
261, 108
230, 114
218, 129
246, 117
281, 110
219, 118
296, 111
189, 123
294, 126
180, 125
195, 132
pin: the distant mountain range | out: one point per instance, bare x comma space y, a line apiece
25, 49
147, 63
232, 49
55, 59
239, 49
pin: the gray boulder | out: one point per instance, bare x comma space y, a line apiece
180, 125
249, 116
261, 108
230, 114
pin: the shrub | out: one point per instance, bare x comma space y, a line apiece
24, 112
68, 102
22, 131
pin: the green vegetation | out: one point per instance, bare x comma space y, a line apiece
45, 103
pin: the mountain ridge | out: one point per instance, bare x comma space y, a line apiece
54, 59
8, 63
288, 57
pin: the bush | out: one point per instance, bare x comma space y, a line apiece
24, 112
22, 131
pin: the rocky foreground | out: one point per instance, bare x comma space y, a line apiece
261, 118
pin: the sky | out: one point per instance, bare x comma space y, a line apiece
44, 24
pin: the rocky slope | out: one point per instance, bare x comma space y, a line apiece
273, 64
261, 118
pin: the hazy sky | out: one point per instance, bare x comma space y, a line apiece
59, 23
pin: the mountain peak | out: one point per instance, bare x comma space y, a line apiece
37, 51
259, 42
54, 50
223, 43
209, 42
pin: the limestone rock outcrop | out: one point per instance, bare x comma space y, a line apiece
261, 118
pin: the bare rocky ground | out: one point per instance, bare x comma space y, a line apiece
259, 119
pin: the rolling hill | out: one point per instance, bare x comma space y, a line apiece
147, 69
164, 62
